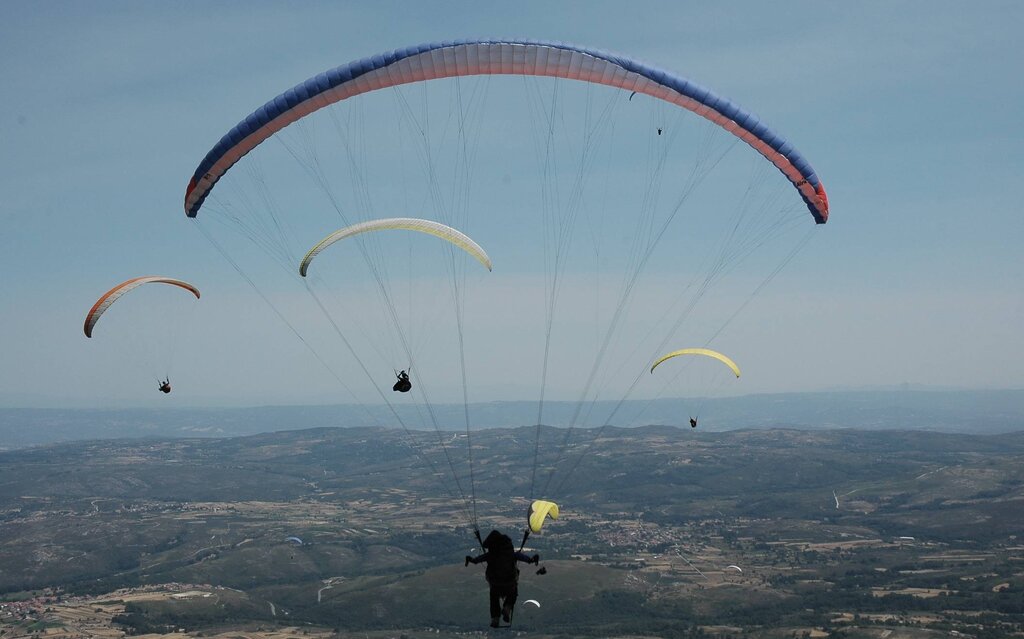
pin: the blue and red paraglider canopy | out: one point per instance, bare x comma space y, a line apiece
501, 57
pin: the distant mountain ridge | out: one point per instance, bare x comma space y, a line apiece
965, 411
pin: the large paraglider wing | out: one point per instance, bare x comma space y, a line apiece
436, 229
490, 57
699, 351
114, 294
539, 511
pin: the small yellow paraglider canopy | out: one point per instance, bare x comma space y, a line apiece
539, 511
707, 352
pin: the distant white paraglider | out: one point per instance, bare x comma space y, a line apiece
533, 601
734, 566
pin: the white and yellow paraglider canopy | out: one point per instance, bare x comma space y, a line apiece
706, 352
428, 227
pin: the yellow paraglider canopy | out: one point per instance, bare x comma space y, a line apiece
700, 351
539, 511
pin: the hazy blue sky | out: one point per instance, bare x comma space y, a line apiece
909, 111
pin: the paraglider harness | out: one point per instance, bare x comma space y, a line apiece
165, 385
502, 570
403, 385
